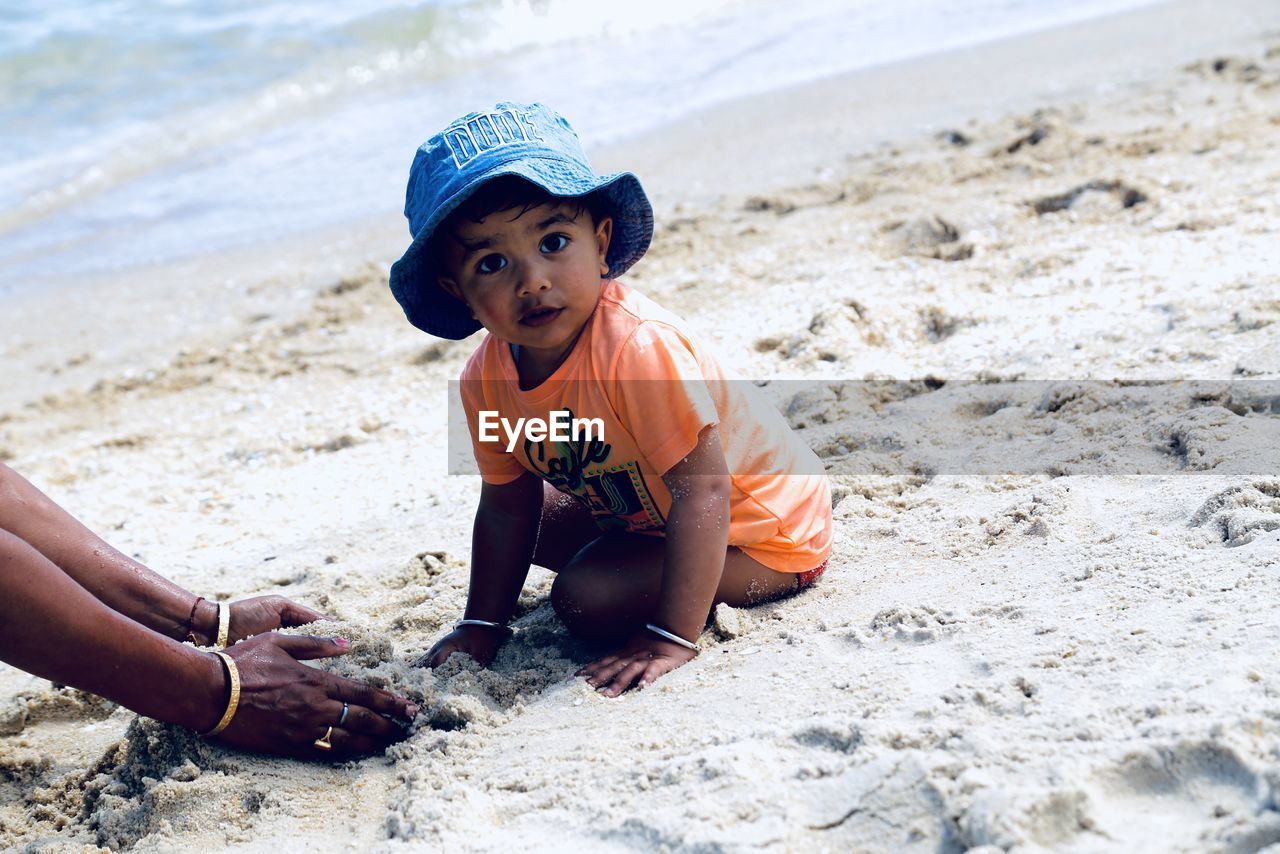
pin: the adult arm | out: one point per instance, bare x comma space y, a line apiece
52, 627
502, 543
122, 583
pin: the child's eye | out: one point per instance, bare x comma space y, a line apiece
554, 243
491, 264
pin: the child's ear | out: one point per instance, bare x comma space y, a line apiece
604, 233
451, 288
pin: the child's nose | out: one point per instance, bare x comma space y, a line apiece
533, 279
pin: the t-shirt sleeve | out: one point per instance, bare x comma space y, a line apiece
495, 464
661, 395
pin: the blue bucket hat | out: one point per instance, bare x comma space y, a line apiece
527, 140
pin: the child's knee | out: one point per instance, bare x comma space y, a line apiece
572, 594
580, 600
565, 528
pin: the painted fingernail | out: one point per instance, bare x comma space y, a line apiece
343, 642
412, 710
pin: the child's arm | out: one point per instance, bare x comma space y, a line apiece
697, 538
502, 542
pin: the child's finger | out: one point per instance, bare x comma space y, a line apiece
626, 676
590, 669
602, 673
437, 655
652, 672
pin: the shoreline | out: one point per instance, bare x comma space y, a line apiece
944, 93
218, 191
807, 131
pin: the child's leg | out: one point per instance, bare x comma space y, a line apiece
610, 588
607, 585
566, 528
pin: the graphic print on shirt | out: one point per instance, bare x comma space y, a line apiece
617, 495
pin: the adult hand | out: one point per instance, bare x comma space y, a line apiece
479, 642
643, 659
285, 706
267, 613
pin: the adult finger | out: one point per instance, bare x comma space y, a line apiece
625, 677
293, 614
343, 744
359, 694
351, 744
362, 721
303, 647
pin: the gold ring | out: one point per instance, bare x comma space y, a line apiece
323, 741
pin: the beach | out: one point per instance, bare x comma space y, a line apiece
1068, 656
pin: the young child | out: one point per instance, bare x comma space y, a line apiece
681, 490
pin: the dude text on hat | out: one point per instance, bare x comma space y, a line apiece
488, 131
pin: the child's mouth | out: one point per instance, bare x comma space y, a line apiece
540, 316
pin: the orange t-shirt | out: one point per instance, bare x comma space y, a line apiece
653, 390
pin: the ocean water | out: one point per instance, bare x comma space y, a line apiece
139, 131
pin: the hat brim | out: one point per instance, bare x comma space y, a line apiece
415, 278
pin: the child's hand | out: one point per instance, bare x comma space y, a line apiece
644, 658
479, 642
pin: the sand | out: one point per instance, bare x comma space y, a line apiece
1045, 658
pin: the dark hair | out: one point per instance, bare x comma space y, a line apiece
512, 193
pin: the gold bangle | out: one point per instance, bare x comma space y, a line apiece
224, 624
234, 700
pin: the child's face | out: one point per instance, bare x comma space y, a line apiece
532, 278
